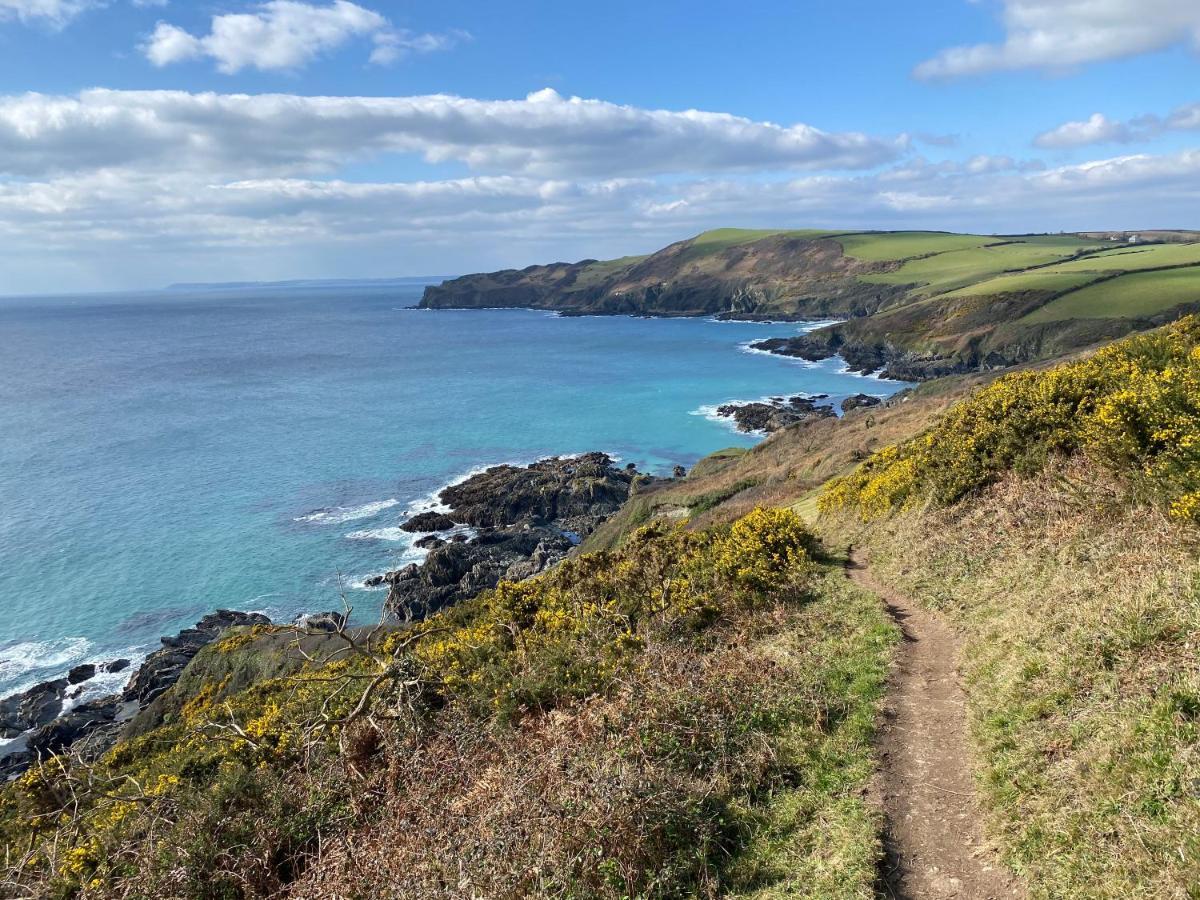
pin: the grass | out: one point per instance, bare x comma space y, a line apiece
894, 245
1134, 295
709, 243
1081, 614
959, 268
1037, 280
1128, 259
818, 837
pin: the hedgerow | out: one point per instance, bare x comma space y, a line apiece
1133, 406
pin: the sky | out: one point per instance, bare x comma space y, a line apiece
146, 142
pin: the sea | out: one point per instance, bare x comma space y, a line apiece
256, 448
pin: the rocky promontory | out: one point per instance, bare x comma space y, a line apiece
525, 519
767, 416
43, 722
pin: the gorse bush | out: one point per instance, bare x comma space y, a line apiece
1134, 407
233, 795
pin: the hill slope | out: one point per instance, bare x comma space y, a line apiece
919, 304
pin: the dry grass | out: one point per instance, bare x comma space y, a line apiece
1082, 659
673, 780
784, 469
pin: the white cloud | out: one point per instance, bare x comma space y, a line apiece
53, 12
190, 227
286, 34
1099, 129
120, 189
278, 134
1059, 34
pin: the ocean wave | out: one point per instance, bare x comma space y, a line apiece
709, 411
387, 533
32, 656
748, 347
335, 515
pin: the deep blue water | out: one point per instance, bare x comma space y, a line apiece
162, 455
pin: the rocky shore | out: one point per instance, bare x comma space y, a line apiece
45, 720
524, 519
767, 416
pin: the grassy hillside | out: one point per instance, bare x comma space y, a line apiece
1051, 515
690, 715
918, 304
687, 707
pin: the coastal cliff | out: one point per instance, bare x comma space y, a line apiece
914, 305
784, 275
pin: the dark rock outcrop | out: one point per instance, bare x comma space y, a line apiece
429, 542
860, 401
91, 727
428, 521
325, 621
32, 708
162, 668
528, 518
551, 489
85, 720
81, 673
771, 415
460, 570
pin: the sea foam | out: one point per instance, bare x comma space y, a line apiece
335, 515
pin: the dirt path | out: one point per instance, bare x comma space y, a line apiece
934, 843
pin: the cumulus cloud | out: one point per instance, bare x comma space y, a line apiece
286, 34
186, 225
1099, 129
544, 135
118, 189
52, 12
1058, 34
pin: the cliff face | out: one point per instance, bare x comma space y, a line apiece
780, 276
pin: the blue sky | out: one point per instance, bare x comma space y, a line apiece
144, 142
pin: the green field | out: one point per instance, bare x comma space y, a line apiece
1138, 294
719, 239
1037, 280
892, 245
959, 268
1131, 258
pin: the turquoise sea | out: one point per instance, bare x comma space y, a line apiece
165, 454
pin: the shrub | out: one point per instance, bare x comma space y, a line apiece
1134, 406
230, 797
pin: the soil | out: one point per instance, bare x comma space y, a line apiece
934, 844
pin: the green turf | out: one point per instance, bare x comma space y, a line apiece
719, 239
890, 245
598, 271
1138, 294
1037, 280
959, 268
1132, 258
